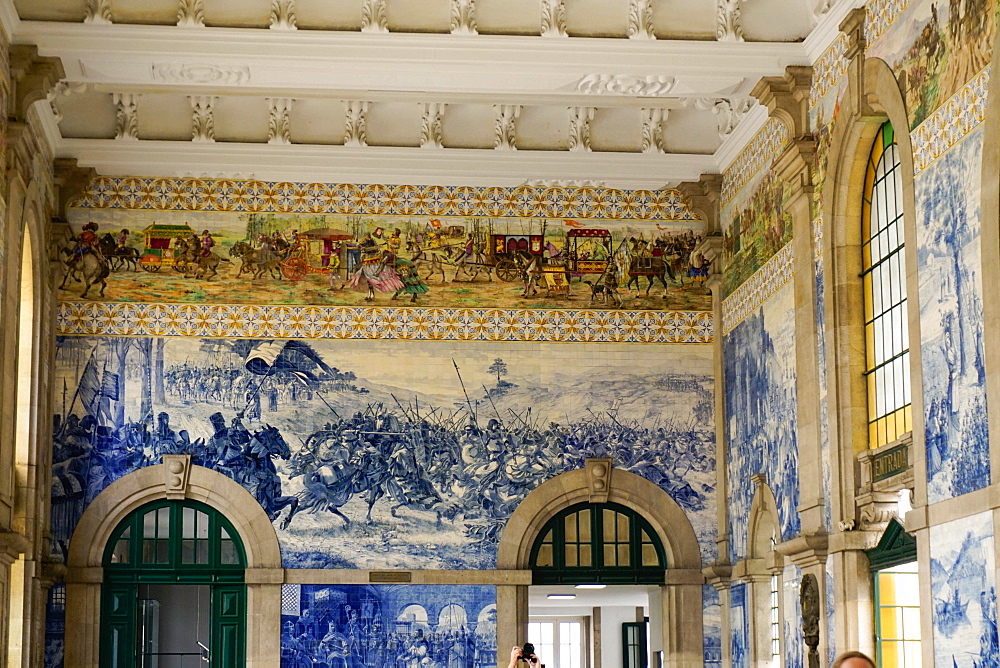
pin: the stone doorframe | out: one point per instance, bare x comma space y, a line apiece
682, 629
176, 479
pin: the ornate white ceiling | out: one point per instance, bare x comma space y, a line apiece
628, 93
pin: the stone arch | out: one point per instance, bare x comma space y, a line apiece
27, 345
632, 491
264, 575
872, 96
680, 610
763, 515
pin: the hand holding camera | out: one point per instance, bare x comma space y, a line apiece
525, 654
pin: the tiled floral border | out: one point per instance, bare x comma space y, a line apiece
760, 150
757, 289
828, 70
951, 122
178, 194
338, 322
879, 16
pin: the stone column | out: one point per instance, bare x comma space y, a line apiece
684, 637
512, 620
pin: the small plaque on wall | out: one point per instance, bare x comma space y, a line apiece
389, 576
891, 462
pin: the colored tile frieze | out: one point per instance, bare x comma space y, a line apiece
178, 194
951, 123
880, 15
428, 324
828, 70
759, 152
757, 289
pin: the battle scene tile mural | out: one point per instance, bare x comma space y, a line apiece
963, 584
951, 322
357, 626
383, 454
215, 256
739, 634
934, 48
713, 626
759, 363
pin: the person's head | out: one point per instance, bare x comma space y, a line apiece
853, 660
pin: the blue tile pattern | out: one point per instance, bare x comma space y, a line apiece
963, 585
951, 322
382, 454
759, 364
361, 626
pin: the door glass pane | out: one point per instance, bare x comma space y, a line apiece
120, 554
227, 552
174, 624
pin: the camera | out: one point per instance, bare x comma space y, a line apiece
528, 653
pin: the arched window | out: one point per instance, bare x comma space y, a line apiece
598, 543
174, 588
887, 346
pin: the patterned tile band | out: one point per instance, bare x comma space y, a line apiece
880, 15
757, 289
339, 322
760, 151
177, 194
951, 122
828, 70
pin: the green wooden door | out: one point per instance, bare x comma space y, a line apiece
118, 641
173, 543
228, 626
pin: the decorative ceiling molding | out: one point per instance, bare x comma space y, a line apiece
728, 111
553, 22
373, 16
640, 19
98, 12
652, 130
203, 118
126, 116
200, 73
191, 13
283, 15
729, 23
430, 125
463, 17
62, 89
382, 164
504, 130
279, 120
624, 84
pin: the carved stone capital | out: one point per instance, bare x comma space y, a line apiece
12, 545
31, 77
70, 181
176, 472
599, 479
853, 26
806, 550
703, 198
718, 575
787, 98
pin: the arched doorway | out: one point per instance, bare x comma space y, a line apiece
675, 607
174, 480
174, 592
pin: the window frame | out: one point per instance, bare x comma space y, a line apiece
598, 572
883, 281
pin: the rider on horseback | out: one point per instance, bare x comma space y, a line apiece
86, 242
207, 242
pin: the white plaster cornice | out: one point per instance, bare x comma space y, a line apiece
828, 28
319, 60
738, 139
381, 164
